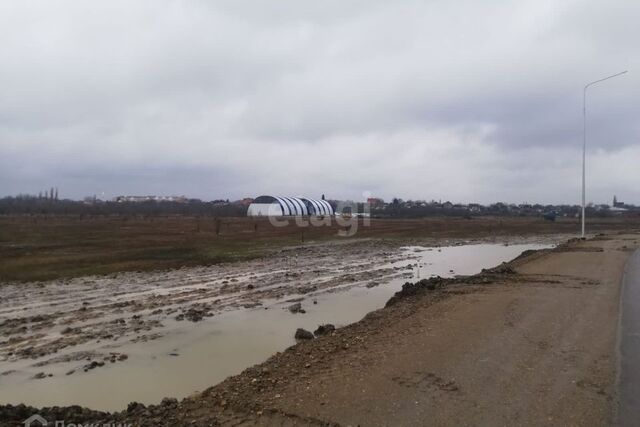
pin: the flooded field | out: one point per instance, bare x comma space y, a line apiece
103, 342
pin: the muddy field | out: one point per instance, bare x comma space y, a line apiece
42, 318
528, 341
106, 340
45, 247
77, 340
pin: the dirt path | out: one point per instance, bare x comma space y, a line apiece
534, 347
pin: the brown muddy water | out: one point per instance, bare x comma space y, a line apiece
53, 331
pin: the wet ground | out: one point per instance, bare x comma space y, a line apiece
103, 342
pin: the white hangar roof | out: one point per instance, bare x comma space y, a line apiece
288, 206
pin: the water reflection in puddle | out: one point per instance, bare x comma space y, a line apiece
192, 357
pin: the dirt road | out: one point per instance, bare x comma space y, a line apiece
629, 344
535, 349
533, 344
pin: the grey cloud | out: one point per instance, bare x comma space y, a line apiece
233, 98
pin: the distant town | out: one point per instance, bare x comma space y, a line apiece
49, 202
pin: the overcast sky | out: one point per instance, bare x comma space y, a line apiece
463, 100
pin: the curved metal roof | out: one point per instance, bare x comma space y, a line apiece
297, 206
319, 207
292, 205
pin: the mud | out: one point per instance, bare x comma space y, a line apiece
41, 319
82, 340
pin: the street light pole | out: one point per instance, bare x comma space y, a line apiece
584, 139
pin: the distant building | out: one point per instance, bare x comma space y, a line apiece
619, 206
616, 203
91, 200
141, 199
375, 202
288, 206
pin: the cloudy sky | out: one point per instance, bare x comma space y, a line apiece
434, 99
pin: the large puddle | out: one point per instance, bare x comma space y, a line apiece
194, 356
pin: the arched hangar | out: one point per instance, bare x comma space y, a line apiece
288, 206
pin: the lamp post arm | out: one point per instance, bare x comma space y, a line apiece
606, 78
584, 140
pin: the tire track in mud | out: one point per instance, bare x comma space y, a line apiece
41, 319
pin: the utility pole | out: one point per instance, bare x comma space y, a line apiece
584, 140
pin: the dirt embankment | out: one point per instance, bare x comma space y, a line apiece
531, 343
